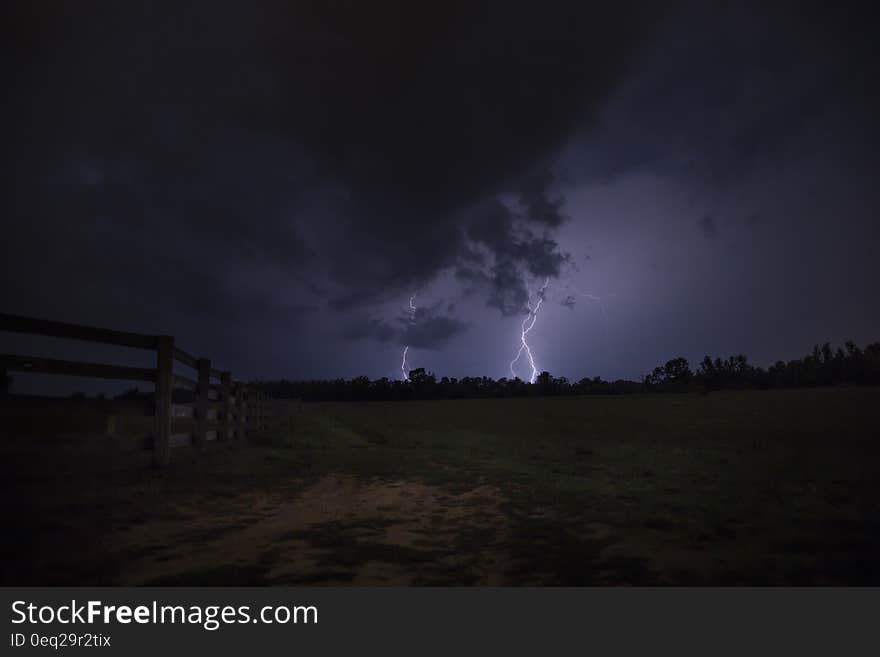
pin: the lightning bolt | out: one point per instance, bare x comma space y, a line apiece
404, 375
412, 319
594, 298
527, 324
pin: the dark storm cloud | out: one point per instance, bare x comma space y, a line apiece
200, 166
432, 332
541, 256
507, 291
362, 327
723, 94
428, 328
541, 207
512, 250
341, 142
708, 227
127, 234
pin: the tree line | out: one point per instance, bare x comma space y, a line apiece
824, 366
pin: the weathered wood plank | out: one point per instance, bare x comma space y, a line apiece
202, 402
184, 383
228, 404
19, 324
180, 440
182, 357
228, 409
75, 368
240, 415
182, 424
183, 410
164, 386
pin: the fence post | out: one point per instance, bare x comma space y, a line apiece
201, 434
162, 414
236, 412
226, 396
244, 408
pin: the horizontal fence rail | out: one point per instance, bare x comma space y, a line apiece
19, 324
95, 370
186, 410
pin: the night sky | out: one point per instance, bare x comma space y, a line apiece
270, 182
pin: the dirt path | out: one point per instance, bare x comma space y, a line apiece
339, 530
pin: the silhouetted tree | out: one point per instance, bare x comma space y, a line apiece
674, 375
823, 366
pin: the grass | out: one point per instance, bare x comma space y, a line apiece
776, 487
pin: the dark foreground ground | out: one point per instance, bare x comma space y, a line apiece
778, 487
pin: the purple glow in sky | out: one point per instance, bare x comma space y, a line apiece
267, 183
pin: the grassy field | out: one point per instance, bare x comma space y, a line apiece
777, 487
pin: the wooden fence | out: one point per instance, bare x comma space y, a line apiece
215, 406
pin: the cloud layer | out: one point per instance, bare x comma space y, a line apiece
298, 170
